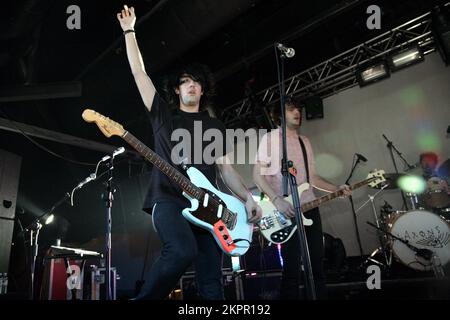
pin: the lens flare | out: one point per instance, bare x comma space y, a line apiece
412, 184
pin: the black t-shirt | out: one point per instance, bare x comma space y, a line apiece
164, 121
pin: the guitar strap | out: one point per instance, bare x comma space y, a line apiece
305, 158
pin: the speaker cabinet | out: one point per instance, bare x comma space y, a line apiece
313, 108
9, 184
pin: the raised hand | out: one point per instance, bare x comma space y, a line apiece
127, 18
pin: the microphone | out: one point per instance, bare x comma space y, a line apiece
288, 52
114, 154
361, 157
118, 151
91, 177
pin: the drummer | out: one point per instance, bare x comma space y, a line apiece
437, 195
428, 162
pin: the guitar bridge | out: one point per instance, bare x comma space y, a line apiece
232, 222
229, 219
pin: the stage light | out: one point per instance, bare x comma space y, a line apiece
372, 73
49, 219
405, 58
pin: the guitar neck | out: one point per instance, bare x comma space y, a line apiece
319, 201
173, 174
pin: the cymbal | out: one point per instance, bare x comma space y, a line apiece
391, 181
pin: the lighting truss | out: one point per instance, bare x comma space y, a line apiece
338, 73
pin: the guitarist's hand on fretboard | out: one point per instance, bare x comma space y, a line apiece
347, 190
284, 206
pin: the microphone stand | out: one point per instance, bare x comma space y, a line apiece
288, 176
108, 197
392, 148
34, 229
33, 238
424, 253
358, 237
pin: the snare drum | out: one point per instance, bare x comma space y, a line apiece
424, 230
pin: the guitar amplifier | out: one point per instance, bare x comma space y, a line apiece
64, 276
61, 283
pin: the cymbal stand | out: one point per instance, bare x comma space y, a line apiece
382, 248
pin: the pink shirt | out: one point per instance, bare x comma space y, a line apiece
269, 156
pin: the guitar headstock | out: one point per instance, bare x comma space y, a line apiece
107, 126
377, 176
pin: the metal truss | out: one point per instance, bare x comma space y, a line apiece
338, 73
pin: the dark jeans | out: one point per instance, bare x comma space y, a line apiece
183, 244
291, 254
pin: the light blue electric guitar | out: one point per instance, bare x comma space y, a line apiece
221, 214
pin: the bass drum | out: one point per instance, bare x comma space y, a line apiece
423, 230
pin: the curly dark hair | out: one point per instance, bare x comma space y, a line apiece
198, 72
275, 109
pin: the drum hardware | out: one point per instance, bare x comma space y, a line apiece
414, 200
392, 149
444, 214
382, 248
425, 254
386, 213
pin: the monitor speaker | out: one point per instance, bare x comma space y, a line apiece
313, 108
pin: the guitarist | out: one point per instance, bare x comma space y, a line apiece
267, 176
188, 93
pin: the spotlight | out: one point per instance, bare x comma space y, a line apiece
372, 73
405, 58
49, 219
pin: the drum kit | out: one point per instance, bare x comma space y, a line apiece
418, 237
